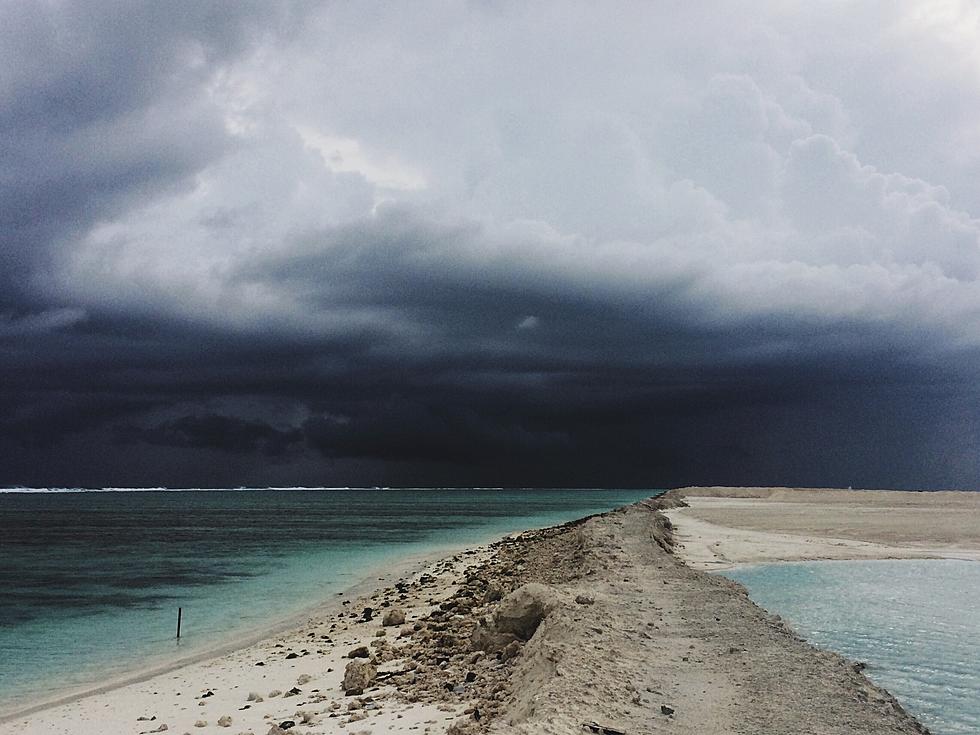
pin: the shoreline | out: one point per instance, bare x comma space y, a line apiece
375, 578
624, 608
243, 640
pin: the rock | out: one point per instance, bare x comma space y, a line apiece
254, 697
291, 655
304, 679
276, 730
664, 709
394, 616
201, 723
286, 724
275, 693
161, 728
224, 721
584, 600
494, 592
511, 650
358, 676
522, 610
367, 614
293, 692
486, 638
359, 652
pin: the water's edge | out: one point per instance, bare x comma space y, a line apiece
384, 574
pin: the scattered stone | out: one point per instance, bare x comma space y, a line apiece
287, 724
359, 652
358, 677
275, 693
394, 616
293, 692
254, 697
291, 655
664, 709
584, 600
224, 721
201, 723
304, 679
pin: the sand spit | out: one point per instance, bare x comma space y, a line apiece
594, 626
721, 527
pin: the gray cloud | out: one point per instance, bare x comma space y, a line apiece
499, 244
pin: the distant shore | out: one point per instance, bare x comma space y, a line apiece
722, 527
599, 622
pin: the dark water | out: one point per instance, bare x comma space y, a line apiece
91, 581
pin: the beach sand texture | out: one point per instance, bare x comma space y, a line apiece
630, 638
722, 526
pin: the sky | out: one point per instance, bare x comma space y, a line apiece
490, 243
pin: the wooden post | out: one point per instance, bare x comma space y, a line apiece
180, 611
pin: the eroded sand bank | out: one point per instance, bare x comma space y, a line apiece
634, 639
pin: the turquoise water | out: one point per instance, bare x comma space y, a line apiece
913, 622
91, 580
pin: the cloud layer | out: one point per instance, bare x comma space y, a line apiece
489, 244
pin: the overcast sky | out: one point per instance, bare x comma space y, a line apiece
490, 243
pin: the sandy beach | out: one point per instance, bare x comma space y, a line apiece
721, 527
606, 624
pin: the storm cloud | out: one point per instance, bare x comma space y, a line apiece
491, 244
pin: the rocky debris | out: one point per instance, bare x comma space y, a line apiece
358, 676
664, 709
254, 697
201, 723
394, 616
224, 721
584, 600
359, 652
603, 729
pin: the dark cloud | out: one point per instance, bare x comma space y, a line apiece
270, 243
103, 107
212, 431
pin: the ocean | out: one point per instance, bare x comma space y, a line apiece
913, 622
90, 581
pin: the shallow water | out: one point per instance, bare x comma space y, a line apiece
913, 622
91, 581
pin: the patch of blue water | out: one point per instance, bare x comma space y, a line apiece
91, 582
914, 622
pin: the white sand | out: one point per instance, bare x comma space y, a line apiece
724, 527
174, 698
